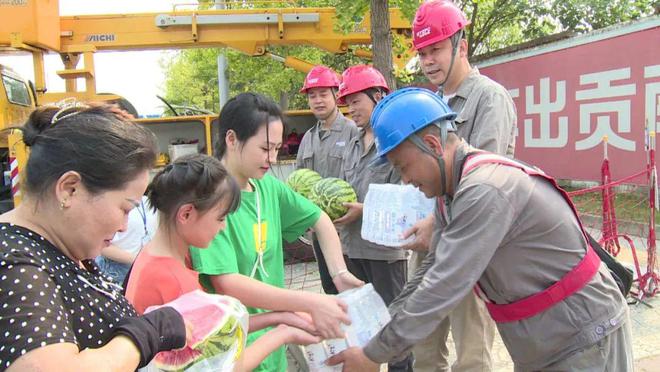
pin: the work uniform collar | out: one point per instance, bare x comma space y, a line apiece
337, 125
463, 149
468, 84
358, 141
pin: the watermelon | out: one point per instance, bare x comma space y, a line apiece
302, 181
330, 194
216, 329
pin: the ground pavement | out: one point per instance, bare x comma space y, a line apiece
645, 318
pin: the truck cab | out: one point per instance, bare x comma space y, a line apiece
17, 101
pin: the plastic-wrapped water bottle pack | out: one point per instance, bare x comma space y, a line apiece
368, 315
389, 210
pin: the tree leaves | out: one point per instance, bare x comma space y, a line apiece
192, 74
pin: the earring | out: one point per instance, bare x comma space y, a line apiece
62, 204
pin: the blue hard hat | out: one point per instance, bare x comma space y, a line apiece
405, 112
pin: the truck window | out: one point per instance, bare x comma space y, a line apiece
17, 91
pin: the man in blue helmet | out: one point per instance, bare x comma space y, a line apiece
506, 231
486, 119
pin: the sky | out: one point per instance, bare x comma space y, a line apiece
136, 76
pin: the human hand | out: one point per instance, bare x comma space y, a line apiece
354, 212
422, 230
345, 281
299, 320
328, 312
354, 359
297, 336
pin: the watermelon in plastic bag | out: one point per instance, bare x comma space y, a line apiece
219, 326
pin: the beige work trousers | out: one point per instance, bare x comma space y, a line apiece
472, 330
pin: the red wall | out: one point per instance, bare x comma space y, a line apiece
568, 99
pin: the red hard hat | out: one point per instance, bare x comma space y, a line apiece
436, 20
320, 77
358, 78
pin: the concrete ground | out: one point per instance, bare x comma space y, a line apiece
645, 315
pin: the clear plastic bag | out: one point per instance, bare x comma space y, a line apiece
389, 210
219, 326
368, 315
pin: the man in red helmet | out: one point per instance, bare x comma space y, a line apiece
361, 88
486, 120
323, 145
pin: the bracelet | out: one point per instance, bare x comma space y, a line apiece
339, 273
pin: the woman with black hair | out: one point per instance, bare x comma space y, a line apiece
88, 168
246, 259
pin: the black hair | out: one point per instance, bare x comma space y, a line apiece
245, 114
100, 142
197, 179
371, 93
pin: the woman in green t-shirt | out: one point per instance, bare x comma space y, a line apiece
245, 260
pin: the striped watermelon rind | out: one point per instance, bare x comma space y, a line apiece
302, 181
330, 194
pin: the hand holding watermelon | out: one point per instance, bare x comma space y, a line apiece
331, 194
216, 329
354, 212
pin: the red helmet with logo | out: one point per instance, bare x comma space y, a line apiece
320, 77
358, 78
436, 20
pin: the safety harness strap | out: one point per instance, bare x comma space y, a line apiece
572, 282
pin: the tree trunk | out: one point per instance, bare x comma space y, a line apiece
381, 40
284, 101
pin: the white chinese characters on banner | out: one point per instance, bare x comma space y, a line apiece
603, 127
652, 97
544, 108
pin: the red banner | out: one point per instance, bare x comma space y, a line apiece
571, 94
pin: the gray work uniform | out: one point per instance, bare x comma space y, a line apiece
384, 267
486, 114
516, 236
359, 172
486, 119
323, 151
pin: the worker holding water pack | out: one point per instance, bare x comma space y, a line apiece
508, 232
361, 88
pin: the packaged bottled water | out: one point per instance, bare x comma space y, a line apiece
368, 315
390, 210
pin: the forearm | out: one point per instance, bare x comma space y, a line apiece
263, 320
120, 354
107, 356
400, 300
261, 348
330, 244
253, 293
117, 254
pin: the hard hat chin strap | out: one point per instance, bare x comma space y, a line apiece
417, 140
455, 41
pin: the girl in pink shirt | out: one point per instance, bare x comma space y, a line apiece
193, 195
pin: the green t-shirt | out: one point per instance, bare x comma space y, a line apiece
284, 215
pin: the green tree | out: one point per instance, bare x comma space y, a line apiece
192, 74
